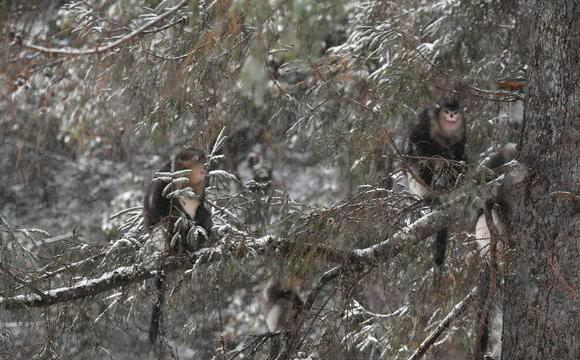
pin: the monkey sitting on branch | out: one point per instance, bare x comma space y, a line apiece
437, 157
179, 189
175, 201
281, 304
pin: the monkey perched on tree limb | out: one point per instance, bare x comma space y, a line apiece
180, 190
436, 155
167, 197
281, 305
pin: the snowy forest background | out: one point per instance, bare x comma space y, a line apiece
97, 94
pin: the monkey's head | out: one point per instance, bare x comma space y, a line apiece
193, 159
448, 117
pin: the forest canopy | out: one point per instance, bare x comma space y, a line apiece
304, 110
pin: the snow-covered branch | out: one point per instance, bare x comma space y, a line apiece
126, 275
122, 276
382, 252
112, 45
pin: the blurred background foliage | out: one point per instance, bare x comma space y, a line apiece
319, 90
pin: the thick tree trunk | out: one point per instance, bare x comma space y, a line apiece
542, 303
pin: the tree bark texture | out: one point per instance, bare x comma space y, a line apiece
542, 303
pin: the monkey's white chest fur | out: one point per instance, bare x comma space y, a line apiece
278, 316
273, 318
416, 188
189, 205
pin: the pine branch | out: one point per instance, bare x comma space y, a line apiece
112, 45
382, 252
444, 324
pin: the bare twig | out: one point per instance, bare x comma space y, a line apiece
444, 324
14, 278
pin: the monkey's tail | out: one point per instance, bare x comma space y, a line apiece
482, 323
157, 312
440, 249
275, 347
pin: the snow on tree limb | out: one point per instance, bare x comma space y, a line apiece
126, 275
382, 252
121, 276
118, 277
112, 45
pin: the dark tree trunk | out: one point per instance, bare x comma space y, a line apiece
542, 303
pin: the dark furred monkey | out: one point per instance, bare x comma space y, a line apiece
499, 207
280, 305
437, 147
159, 209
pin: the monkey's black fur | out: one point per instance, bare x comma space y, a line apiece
286, 299
428, 140
496, 162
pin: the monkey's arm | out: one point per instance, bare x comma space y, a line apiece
422, 145
203, 218
155, 205
459, 152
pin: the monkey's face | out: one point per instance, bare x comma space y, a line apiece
450, 120
192, 159
198, 175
